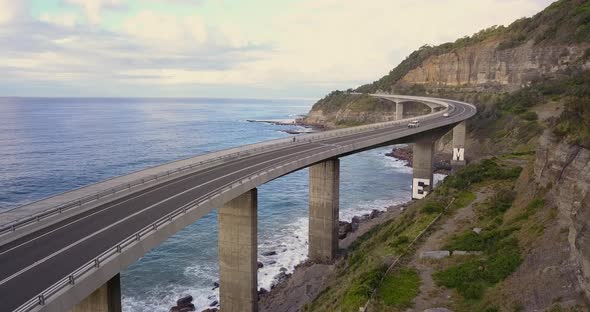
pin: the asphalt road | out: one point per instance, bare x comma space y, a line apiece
69, 244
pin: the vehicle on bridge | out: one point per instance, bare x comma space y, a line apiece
414, 124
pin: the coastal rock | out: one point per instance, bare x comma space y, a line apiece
211, 310
441, 164
375, 213
214, 303
269, 253
259, 264
184, 300
262, 291
184, 304
215, 285
343, 229
355, 222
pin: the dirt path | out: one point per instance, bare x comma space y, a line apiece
309, 279
431, 296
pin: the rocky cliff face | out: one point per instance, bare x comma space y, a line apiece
484, 66
565, 171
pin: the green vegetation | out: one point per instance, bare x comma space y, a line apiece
432, 206
564, 21
363, 266
472, 277
399, 288
355, 102
487, 169
574, 122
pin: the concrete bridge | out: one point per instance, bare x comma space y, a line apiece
64, 253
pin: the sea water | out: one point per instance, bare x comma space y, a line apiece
49, 146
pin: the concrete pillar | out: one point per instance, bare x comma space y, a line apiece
399, 111
106, 298
237, 254
423, 155
324, 197
458, 145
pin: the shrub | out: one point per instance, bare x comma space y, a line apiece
432, 206
400, 288
530, 116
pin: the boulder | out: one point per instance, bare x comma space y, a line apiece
374, 214
343, 229
260, 265
269, 253
187, 308
354, 224
184, 300
262, 291
214, 303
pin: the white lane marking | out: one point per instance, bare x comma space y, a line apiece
145, 209
133, 215
115, 205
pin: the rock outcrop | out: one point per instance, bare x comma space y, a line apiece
564, 170
484, 66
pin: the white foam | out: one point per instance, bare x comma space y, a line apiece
290, 244
162, 299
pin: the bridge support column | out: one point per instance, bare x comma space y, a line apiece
106, 298
399, 111
237, 254
458, 146
324, 202
423, 179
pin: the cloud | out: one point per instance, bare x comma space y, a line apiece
93, 8
11, 10
167, 31
310, 46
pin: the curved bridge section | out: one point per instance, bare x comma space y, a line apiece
66, 251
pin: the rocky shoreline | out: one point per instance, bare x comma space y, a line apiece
298, 122
284, 291
296, 289
442, 163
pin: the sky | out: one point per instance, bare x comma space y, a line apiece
224, 48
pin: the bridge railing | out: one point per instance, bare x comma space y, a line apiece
96, 263
136, 237
207, 159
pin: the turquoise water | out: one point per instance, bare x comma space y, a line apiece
48, 146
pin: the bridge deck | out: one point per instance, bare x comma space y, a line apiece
32, 263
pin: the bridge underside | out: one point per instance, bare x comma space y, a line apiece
238, 221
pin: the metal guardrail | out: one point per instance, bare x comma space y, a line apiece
95, 263
257, 147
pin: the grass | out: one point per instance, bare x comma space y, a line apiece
472, 277
400, 288
363, 267
462, 199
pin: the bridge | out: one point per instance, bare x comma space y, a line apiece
65, 252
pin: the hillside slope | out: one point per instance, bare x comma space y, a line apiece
531, 83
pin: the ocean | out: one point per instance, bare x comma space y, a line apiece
52, 145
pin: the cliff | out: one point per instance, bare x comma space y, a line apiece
493, 61
485, 67
531, 83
